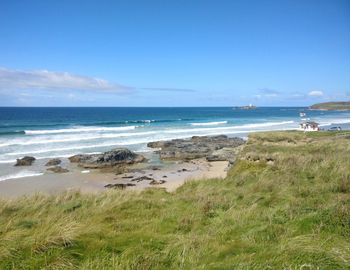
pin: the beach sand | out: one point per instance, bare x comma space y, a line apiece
173, 173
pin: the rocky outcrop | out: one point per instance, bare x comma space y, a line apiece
53, 162
119, 185
116, 157
142, 178
225, 154
25, 161
214, 148
79, 158
157, 182
58, 169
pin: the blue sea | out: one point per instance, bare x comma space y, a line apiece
61, 132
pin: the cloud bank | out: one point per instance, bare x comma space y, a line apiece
43, 79
49, 80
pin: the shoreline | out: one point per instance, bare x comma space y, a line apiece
174, 174
168, 166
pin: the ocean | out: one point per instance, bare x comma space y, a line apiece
61, 132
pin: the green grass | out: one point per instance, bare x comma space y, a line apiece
284, 205
345, 105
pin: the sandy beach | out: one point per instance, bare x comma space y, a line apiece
174, 174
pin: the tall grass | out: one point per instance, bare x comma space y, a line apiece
284, 205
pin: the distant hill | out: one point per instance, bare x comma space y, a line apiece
332, 106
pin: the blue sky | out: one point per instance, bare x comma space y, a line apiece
174, 53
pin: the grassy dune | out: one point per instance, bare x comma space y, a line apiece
284, 205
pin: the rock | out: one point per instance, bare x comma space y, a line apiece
58, 169
116, 157
121, 155
127, 176
53, 162
79, 158
157, 182
213, 148
119, 185
25, 161
141, 178
225, 154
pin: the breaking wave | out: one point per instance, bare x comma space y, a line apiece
75, 130
21, 174
209, 123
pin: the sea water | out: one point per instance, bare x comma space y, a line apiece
61, 132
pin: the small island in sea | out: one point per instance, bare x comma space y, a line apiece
332, 106
247, 107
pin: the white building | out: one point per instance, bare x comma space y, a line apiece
309, 126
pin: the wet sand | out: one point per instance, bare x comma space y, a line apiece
174, 174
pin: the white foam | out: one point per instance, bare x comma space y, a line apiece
160, 135
75, 130
248, 126
49, 157
21, 174
209, 123
74, 138
8, 161
334, 122
85, 171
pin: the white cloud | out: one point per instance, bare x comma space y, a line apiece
43, 79
316, 94
49, 80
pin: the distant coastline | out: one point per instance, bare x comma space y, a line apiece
332, 106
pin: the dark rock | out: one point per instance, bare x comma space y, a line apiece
53, 162
25, 161
224, 154
57, 169
119, 185
121, 155
79, 158
141, 178
164, 176
157, 182
116, 157
198, 147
